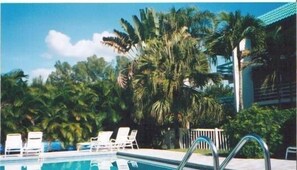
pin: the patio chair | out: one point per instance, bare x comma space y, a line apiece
34, 143
132, 140
13, 143
102, 141
290, 149
121, 138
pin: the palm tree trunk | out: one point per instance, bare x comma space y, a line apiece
291, 93
278, 89
176, 131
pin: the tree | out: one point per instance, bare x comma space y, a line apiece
166, 57
155, 25
159, 78
69, 114
71, 106
15, 102
92, 70
231, 29
134, 37
131, 42
61, 75
81, 100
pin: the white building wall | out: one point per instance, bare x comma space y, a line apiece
248, 87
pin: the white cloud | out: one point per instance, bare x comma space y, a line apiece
43, 72
60, 44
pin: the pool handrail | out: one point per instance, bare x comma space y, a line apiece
241, 144
193, 147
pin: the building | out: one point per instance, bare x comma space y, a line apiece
281, 89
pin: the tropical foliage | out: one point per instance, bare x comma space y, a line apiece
14, 102
74, 103
222, 94
230, 30
167, 58
267, 123
163, 73
155, 25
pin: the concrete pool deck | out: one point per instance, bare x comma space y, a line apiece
161, 155
236, 163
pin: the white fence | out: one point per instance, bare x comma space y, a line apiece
216, 135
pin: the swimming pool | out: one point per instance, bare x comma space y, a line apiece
86, 163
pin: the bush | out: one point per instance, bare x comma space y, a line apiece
263, 121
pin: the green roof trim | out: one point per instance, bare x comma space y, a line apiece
278, 14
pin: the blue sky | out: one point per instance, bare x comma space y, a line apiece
34, 36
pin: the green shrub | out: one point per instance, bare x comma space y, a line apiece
263, 121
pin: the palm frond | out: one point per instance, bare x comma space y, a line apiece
130, 30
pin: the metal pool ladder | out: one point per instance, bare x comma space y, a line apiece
231, 155
193, 147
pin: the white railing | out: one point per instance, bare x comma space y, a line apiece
216, 135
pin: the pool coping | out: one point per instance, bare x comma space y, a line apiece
163, 156
55, 156
201, 161
162, 160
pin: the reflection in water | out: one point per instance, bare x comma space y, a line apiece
88, 164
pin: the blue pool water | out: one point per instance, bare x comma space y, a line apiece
86, 164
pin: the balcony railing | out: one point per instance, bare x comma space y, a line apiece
283, 93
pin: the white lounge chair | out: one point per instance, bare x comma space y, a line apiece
290, 149
83, 146
121, 138
102, 141
34, 143
13, 143
132, 140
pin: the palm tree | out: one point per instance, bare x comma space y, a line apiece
144, 28
132, 40
154, 25
18, 106
199, 23
69, 114
167, 55
231, 29
162, 69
